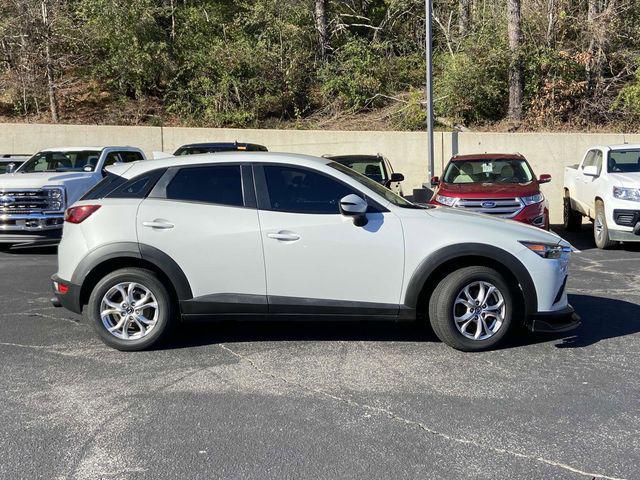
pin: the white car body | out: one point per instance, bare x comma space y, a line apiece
238, 260
25, 219
586, 186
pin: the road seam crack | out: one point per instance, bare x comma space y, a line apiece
414, 423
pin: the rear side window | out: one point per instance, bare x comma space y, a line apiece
127, 157
216, 184
105, 186
138, 187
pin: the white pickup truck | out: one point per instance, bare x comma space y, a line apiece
34, 197
605, 187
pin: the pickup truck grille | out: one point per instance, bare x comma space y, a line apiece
23, 201
500, 207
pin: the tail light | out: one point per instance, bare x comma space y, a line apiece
79, 214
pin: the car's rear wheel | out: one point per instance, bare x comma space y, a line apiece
471, 309
572, 218
600, 229
130, 309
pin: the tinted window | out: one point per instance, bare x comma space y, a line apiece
130, 156
113, 157
220, 184
105, 186
624, 161
372, 167
589, 160
299, 190
138, 187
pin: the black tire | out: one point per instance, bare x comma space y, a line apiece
441, 308
572, 218
600, 229
148, 280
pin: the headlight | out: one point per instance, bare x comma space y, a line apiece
622, 193
537, 198
448, 201
547, 250
56, 197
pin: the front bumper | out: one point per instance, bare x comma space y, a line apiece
29, 229
557, 321
69, 299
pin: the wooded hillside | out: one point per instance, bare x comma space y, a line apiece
506, 64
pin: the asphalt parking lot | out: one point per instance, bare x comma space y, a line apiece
321, 400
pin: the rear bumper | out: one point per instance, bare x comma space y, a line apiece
70, 299
558, 321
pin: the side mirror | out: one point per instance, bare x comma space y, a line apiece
396, 177
591, 171
544, 178
354, 206
88, 168
435, 181
10, 168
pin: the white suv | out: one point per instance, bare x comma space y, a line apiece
254, 235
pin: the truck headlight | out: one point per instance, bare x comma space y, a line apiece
448, 201
632, 194
547, 250
56, 199
537, 198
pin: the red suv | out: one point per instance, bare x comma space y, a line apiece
495, 184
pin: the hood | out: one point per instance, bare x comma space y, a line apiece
476, 221
629, 179
486, 190
41, 179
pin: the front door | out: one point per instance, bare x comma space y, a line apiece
317, 260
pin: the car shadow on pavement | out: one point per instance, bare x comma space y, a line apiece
583, 240
602, 318
194, 334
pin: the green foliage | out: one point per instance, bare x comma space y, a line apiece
468, 90
629, 97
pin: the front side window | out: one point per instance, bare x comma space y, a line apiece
623, 161
384, 192
127, 157
60, 161
298, 190
509, 170
217, 184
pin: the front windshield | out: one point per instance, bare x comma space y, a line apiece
61, 161
623, 161
387, 194
369, 167
504, 170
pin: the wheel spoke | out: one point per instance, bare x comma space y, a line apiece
495, 307
478, 329
110, 311
488, 294
466, 303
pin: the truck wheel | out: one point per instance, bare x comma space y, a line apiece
600, 230
130, 309
471, 309
572, 218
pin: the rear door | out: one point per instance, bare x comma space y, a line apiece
204, 217
317, 260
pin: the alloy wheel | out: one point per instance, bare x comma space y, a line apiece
479, 310
129, 311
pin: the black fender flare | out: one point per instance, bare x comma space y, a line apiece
150, 254
431, 263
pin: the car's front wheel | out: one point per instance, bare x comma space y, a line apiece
471, 309
130, 309
600, 228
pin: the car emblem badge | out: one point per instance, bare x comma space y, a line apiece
488, 204
7, 199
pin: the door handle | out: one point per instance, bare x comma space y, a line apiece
284, 236
158, 224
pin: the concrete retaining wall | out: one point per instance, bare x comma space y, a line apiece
547, 152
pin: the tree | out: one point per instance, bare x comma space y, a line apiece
516, 76
321, 26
